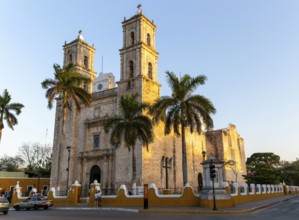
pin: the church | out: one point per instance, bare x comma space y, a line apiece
87, 154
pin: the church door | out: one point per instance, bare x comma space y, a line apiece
200, 181
95, 174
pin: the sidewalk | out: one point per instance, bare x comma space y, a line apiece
239, 209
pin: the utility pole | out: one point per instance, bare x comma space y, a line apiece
68, 167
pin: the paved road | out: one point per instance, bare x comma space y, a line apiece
287, 210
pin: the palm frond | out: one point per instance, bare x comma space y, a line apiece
8, 111
67, 84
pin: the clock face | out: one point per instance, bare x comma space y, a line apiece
100, 86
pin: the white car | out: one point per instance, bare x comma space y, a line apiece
4, 205
35, 203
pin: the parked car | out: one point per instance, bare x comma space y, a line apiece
4, 205
34, 202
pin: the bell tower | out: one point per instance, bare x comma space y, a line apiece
81, 55
139, 58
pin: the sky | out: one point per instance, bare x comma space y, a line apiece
249, 51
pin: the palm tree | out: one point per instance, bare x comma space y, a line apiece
6, 109
183, 110
129, 126
66, 87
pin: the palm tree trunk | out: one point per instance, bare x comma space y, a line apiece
1, 127
0, 134
62, 144
133, 166
184, 155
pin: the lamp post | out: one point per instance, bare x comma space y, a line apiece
203, 153
38, 180
68, 166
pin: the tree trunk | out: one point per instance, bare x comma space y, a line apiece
0, 134
1, 127
133, 165
61, 147
184, 156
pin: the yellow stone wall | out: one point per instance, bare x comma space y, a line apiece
7, 183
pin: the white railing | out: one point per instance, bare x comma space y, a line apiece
258, 189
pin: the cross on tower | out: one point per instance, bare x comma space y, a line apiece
139, 9
166, 166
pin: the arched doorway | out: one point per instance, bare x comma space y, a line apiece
200, 181
95, 174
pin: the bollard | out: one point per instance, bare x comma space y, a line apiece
145, 196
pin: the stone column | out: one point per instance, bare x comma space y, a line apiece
74, 194
94, 187
220, 191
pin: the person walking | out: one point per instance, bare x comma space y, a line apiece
97, 198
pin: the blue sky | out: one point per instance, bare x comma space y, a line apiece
249, 50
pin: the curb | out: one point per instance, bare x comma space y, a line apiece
213, 212
206, 211
91, 209
98, 209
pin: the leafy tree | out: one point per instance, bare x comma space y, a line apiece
183, 110
6, 111
262, 168
129, 126
37, 158
233, 166
11, 164
66, 87
290, 172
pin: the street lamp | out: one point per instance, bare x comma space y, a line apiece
38, 180
203, 155
68, 166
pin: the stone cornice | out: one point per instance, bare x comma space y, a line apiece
139, 46
104, 94
139, 17
96, 153
94, 122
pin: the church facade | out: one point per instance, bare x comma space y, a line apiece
92, 157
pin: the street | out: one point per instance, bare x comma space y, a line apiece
287, 210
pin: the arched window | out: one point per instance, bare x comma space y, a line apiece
86, 87
70, 58
97, 140
86, 62
131, 69
132, 38
148, 40
150, 70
